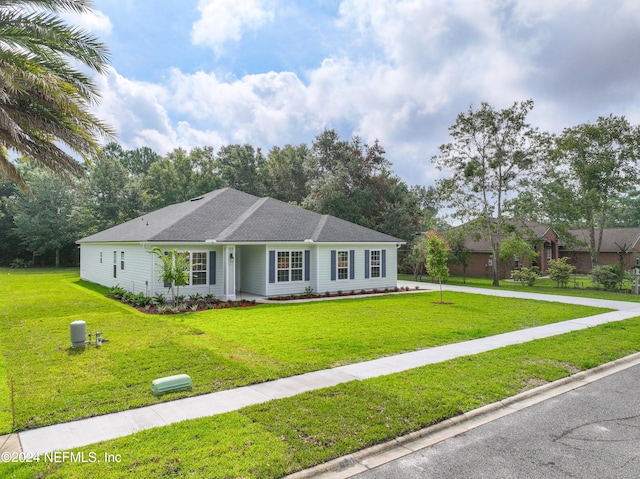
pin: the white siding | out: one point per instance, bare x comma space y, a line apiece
140, 273
288, 287
135, 275
91, 269
253, 269
359, 282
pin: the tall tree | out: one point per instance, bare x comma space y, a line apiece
109, 196
625, 210
10, 247
180, 176
285, 173
42, 218
588, 167
139, 161
44, 101
489, 158
353, 181
241, 167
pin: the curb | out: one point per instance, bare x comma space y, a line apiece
374, 456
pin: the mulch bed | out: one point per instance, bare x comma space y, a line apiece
335, 295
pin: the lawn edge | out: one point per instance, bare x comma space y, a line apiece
374, 456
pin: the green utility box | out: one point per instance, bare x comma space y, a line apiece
179, 382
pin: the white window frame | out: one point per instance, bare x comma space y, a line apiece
285, 270
342, 265
121, 260
200, 270
375, 266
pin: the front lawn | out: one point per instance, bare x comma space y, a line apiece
219, 349
279, 437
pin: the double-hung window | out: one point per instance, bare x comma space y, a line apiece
375, 263
343, 264
198, 268
289, 266
122, 260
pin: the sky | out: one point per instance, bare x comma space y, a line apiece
189, 73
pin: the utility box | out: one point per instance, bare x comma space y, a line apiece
78, 334
179, 382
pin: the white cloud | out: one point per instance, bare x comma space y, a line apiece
95, 21
223, 21
400, 73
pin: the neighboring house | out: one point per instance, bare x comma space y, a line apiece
481, 255
617, 244
241, 243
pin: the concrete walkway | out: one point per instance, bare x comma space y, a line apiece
100, 428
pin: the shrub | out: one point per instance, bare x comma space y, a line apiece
138, 300
158, 299
608, 275
116, 292
524, 276
19, 263
560, 271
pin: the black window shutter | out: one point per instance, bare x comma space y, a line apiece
272, 266
352, 264
333, 265
366, 264
384, 263
307, 265
212, 267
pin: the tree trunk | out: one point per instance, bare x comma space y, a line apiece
57, 257
496, 265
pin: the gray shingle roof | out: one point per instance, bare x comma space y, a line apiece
530, 229
229, 215
612, 239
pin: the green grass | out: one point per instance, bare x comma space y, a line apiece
585, 288
219, 349
280, 437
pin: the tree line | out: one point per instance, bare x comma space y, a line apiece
345, 178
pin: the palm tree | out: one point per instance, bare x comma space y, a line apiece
44, 101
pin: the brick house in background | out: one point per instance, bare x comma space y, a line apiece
545, 240
617, 244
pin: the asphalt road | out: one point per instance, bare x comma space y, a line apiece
591, 432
